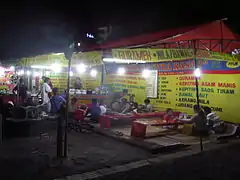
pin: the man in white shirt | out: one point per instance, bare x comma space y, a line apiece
46, 89
148, 106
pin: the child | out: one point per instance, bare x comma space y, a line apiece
169, 116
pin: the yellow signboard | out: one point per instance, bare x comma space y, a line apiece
88, 58
141, 54
218, 86
153, 55
210, 55
59, 80
158, 55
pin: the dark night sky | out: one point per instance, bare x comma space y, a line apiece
31, 28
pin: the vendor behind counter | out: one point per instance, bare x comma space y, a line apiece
119, 95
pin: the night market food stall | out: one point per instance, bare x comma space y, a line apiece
86, 73
7, 81
172, 83
165, 76
168, 78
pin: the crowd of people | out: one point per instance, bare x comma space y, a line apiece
118, 102
50, 97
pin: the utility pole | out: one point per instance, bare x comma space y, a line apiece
68, 55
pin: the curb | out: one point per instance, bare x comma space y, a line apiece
164, 158
150, 147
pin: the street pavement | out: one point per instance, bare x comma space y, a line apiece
29, 158
218, 164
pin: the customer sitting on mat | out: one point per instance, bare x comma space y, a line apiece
169, 116
125, 106
116, 106
103, 107
148, 106
95, 111
135, 108
199, 121
72, 106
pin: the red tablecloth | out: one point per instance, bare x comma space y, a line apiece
139, 127
105, 120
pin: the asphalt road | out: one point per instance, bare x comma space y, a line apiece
27, 158
219, 164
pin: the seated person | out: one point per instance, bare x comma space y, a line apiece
56, 101
169, 116
95, 111
116, 106
125, 106
102, 107
148, 106
135, 108
72, 107
117, 96
131, 98
199, 121
213, 121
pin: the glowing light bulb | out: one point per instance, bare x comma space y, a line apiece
197, 72
81, 68
93, 73
28, 73
145, 73
56, 68
121, 71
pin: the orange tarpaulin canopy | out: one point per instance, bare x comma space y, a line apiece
214, 36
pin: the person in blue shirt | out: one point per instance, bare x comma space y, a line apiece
64, 95
95, 111
57, 101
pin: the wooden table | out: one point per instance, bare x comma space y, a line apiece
139, 127
105, 120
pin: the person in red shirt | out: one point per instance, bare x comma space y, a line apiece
169, 116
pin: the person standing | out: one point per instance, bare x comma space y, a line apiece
46, 89
21, 89
78, 83
56, 101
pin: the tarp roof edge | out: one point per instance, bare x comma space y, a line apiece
149, 38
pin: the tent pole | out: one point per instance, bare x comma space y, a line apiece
197, 88
103, 71
67, 107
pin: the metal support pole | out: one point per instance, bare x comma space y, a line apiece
197, 88
60, 136
1, 130
67, 106
103, 74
